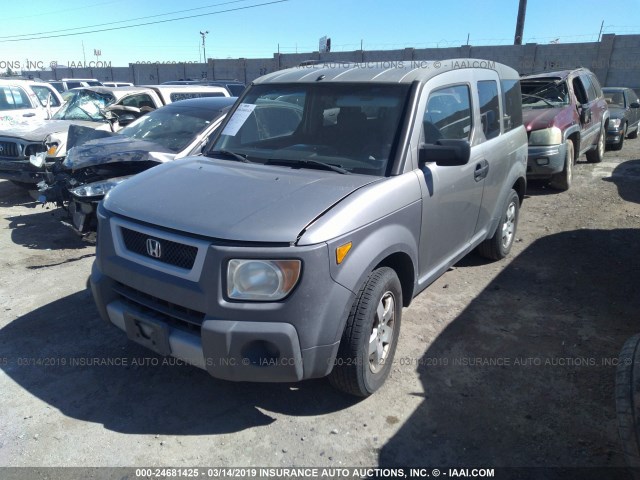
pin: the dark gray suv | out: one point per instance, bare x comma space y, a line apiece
288, 250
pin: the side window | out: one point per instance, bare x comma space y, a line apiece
71, 85
633, 98
43, 93
448, 114
489, 108
141, 100
580, 91
14, 98
596, 85
591, 90
511, 104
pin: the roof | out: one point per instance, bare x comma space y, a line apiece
560, 74
402, 71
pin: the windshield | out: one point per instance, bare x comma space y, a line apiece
614, 98
350, 126
172, 127
544, 93
85, 105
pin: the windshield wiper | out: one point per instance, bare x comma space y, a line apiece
226, 153
306, 163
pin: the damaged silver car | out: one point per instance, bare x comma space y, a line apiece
98, 161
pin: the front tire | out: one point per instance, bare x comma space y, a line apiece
596, 156
370, 336
562, 181
499, 245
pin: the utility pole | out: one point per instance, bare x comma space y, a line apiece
601, 27
522, 10
204, 47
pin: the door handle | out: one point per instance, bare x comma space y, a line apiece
29, 115
481, 171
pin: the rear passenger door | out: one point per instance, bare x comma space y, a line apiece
451, 195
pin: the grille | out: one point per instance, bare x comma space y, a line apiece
34, 148
175, 315
172, 253
9, 149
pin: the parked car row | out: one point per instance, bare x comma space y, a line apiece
301, 218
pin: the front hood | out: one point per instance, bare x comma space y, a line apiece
38, 131
232, 201
114, 149
616, 112
539, 118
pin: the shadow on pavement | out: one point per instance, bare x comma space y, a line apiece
626, 177
43, 230
137, 393
526, 372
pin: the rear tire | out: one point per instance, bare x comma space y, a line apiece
562, 181
596, 156
499, 245
370, 336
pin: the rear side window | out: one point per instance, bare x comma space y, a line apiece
596, 85
141, 100
43, 94
71, 85
13, 98
511, 104
489, 108
448, 114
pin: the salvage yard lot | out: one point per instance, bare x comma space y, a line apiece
499, 364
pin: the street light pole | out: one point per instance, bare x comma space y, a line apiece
204, 48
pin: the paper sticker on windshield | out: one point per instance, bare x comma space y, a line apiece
239, 117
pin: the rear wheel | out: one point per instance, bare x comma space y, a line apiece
562, 181
596, 156
370, 336
499, 245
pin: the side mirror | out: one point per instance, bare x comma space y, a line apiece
635, 105
585, 114
445, 153
126, 119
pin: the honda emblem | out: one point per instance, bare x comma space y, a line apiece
154, 248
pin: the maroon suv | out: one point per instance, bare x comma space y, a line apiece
566, 115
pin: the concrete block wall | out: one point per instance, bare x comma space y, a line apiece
615, 59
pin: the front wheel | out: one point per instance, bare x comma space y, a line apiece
370, 336
562, 181
596, 156
499, 245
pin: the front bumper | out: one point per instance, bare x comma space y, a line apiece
21, 171
186, 314
544, 161
614, 136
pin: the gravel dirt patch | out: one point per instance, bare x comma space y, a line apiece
499, 364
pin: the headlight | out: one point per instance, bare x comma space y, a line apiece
546, 136
266, 280
97, 188
55, 143
615, 123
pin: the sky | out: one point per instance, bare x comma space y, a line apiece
260, 28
